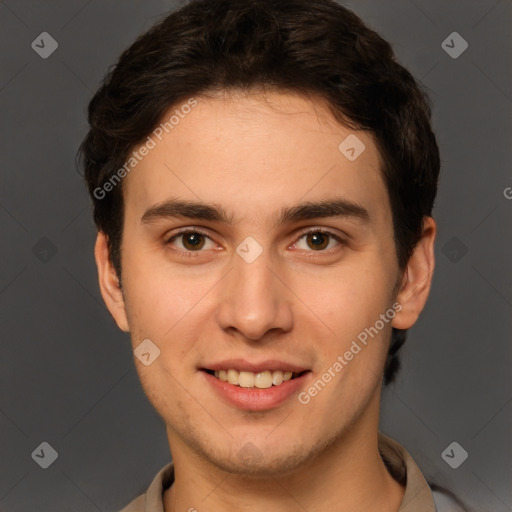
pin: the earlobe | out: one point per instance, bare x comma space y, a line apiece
109, 283
417, 278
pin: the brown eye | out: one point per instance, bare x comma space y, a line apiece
190, 241
193, 241
317, 240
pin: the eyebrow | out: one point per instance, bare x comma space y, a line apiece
338, 207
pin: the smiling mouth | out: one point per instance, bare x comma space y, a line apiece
260, 380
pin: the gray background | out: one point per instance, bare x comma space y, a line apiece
67, 375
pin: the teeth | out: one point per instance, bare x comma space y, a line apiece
277, 378
262, 380
246, 379
233, 376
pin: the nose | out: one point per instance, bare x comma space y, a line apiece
255, 299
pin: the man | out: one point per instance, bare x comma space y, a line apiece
263, 176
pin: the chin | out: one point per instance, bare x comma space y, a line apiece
261, 458
250, 462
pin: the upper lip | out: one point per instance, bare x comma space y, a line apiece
254, 367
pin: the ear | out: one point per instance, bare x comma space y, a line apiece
109, 283
417, 278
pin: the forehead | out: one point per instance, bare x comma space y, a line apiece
254, 153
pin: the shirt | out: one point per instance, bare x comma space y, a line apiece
417, 497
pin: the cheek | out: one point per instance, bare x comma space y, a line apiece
350, 306
171, 309
159, 298
163, 308
350, 299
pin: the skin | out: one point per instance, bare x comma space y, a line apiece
254, 154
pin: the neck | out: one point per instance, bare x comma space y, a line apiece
345, 476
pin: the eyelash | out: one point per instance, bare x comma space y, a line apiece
194, 254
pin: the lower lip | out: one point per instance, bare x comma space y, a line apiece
256, 399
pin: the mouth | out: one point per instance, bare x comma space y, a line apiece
255, 385
261, 380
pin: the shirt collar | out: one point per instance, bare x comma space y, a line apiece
418, 496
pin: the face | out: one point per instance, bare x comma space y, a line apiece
257, 284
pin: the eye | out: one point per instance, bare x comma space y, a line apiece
191, 240
318, 239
